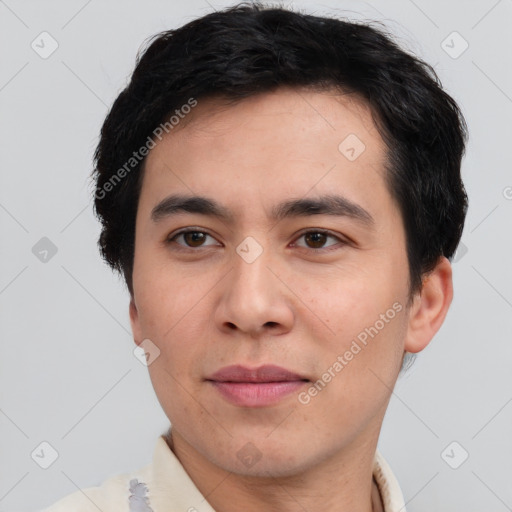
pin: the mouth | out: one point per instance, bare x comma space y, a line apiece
256, 387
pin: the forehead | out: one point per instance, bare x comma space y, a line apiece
279, 110
292, 141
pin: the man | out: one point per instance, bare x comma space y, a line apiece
282, 194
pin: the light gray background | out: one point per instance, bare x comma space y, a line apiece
67, 372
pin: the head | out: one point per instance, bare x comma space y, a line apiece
284, 121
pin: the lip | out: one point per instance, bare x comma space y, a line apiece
264, 373
256, 387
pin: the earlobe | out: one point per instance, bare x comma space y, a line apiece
430, 307
134, 321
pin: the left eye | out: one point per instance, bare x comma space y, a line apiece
318, 239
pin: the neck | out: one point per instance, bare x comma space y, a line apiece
344, 482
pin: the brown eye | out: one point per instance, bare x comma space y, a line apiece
319, 240
192, 239
315, 239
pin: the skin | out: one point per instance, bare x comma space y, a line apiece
299, 305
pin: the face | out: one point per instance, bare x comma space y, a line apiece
295, 258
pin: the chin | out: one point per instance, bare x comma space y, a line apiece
277, 466
264, 457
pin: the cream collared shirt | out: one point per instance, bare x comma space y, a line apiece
164, 486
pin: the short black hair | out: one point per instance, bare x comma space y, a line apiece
249, 49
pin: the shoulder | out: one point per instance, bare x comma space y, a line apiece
118, 493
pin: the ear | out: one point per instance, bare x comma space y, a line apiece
134, 321
429, 308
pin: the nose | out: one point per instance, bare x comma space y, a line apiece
255, 299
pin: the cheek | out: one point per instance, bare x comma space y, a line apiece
345, 302
166, 300
170, 315
362, 320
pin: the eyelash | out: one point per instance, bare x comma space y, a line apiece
171, 240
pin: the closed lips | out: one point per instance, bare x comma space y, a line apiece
265, 373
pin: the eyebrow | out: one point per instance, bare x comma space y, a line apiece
334, 205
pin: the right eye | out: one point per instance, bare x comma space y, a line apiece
190, 239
